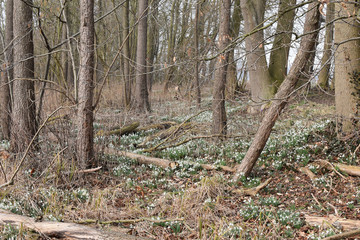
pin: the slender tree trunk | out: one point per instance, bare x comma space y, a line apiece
280, 51
231, 79
152, 44
171, 44
196, 40
24, 112
329, 37
126, 58
218, 103
260, 80
85, 135
141, 92
347, 69
307, 46
8, 74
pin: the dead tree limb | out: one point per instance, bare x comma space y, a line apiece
344, 235
307, 45
60, 229
163, 163
252, 191
345, 224
120, 131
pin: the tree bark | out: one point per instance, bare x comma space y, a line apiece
196, 43
153, 43
141, 92
24, 112
329, 37
218, 102
7, 74
260, 80
231, 77
307, 45
126, 52
281, 46
85, 135
62, 230
347, 65
172, 34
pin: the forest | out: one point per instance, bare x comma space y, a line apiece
179, 119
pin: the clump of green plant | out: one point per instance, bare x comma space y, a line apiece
250, 182
290, 218
270, 201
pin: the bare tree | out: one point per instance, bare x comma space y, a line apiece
7, 75
347, 65
218, 103
264, 80
126, 53
307, 46
328, 42
85, 135
141, 91
23, 114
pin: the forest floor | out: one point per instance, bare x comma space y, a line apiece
185, 201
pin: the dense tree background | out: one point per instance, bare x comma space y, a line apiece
78, 75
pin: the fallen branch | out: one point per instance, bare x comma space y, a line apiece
60, 229
351, 170
252, 191
120, 131
163, 163
162, 125
308, 172
196, 138
91, 170
89, 221
346, 224
173, 132
344, 235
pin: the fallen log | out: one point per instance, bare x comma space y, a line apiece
345, 224
162, 125
61, 230
344, 235
120, 131
163, 163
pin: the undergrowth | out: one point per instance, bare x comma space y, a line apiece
188, 202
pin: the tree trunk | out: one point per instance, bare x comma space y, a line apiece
153, 43
347, 65
218, 103
196, 57
126, 52
280, 50
85, 135
171, 44
329, 37
8, 74
24, 112
260, 80
307, 45
231, 77
141, 92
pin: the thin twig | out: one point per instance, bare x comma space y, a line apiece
11, 180
172, 134
88, 221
